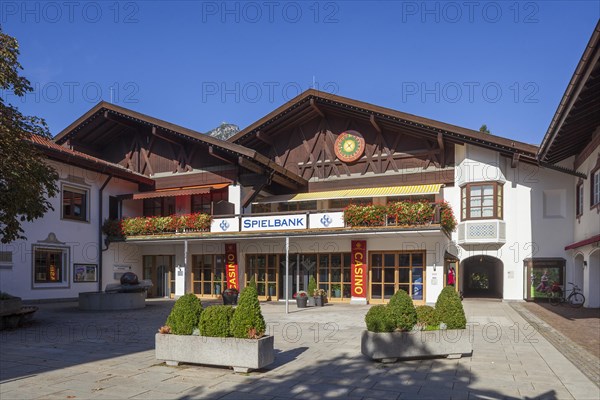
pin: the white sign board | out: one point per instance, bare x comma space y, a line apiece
179, 281
274, 223
326, 220
225, 225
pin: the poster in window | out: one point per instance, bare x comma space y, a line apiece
85, 273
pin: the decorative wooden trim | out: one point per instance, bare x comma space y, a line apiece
316, 108
440, 139
212, 152
587, 150
374, 123
260, 135
515, 160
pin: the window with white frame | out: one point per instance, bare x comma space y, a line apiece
50, 266
74, 203
596, 188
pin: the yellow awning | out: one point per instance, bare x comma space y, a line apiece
358, 193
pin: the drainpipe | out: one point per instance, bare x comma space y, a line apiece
100, 241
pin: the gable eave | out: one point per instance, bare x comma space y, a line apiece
428, 127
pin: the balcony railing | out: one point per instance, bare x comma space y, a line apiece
403, 214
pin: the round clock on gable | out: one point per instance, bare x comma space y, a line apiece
349, 146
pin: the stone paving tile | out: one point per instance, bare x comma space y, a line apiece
374, 394
310, 366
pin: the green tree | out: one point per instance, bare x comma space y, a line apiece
26, 181
484, 129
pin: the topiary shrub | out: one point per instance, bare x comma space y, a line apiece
402, 311
450, 309
378, 319
312, 286
427, 316
185, 315
247, 321
215, 321
252, 282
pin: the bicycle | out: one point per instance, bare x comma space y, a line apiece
575, 297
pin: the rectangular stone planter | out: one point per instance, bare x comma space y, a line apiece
10, 306
102, 301
241, 354
390, 347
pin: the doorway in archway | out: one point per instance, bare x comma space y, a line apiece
482, 276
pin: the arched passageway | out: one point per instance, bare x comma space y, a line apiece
482, 276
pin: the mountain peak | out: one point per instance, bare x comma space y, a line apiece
224, 131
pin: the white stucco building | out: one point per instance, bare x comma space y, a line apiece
522, 211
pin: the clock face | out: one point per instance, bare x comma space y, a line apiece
349, 146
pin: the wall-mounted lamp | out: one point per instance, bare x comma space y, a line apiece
584, 264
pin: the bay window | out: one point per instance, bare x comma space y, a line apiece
481, 201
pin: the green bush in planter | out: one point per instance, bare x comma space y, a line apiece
185, 315
312, 286
379, 319
402, 311
450, 309
427, 316
216, 320
247, 321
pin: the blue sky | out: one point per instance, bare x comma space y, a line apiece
197, 64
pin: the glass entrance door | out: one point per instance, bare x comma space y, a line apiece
263, 268
208, 274
161, 271
392, 271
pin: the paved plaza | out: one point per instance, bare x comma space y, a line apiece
70, 354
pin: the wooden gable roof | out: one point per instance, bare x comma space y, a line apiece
313, 103
59, 153
105, 121
578, 114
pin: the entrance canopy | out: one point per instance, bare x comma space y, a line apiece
357, 193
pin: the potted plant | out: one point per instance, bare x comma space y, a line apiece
399, 331
272, 289
213, 336
230, 296
301, 298
336, 290
312, 286
319, 296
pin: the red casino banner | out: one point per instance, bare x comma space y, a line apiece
231, 266
359, 268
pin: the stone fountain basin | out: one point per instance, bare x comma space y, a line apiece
112, 301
